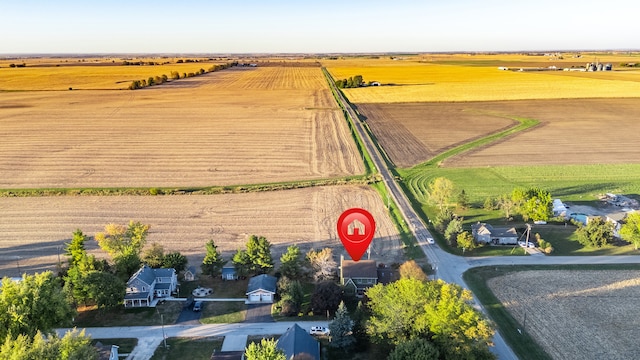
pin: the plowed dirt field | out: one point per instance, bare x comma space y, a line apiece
576, 314
237, 126
33, 230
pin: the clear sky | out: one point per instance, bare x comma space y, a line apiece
269, 26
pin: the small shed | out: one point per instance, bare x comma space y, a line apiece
261, 289
190, 273
229, 273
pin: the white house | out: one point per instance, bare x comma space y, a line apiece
485, 233
147, 284
261, 289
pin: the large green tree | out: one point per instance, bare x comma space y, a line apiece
416, 349
73, 345
119, 240
630, 230
597, 233
291, 263
213, 261
175, 260
153, 256
534, 203
259, 251
104, 289
124, 244
36, 303
465, 241
409, 309
265, 350
440, 191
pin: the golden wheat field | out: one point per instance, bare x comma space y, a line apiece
576, 314
34, 230
458, 79
236, 126
94, 77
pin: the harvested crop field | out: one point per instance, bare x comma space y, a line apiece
413, 133
33, 230
236, 126
582, 314
571, 131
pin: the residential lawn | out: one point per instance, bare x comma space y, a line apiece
217, 312
565, 242
125, 345
91, 317
305, 313
221, 288
188, 348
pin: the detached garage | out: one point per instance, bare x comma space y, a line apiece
261, 289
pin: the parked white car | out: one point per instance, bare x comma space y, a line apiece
319, 330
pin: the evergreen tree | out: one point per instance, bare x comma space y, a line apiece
341, 329
291, 263
259, 252
213, 261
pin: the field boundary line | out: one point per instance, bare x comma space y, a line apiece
204, 190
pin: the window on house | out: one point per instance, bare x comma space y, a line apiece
143, 289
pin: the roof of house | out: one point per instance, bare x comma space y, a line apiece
296, 341
164, 272
487, 229
228, 270
262, 282
358, 269
145, 274
192, 269
504, 232
387, 275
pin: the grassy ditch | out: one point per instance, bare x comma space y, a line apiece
205, 190
411, 250
368, 163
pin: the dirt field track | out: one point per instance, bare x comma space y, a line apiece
237, 126
576, 314
572, 131
34, 230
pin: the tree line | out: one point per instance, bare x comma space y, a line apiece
175, 75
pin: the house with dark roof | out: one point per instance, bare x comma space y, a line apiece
357, 276
261, 289
147, 284
297, 343
487, 234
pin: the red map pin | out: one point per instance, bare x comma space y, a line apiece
356, 228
